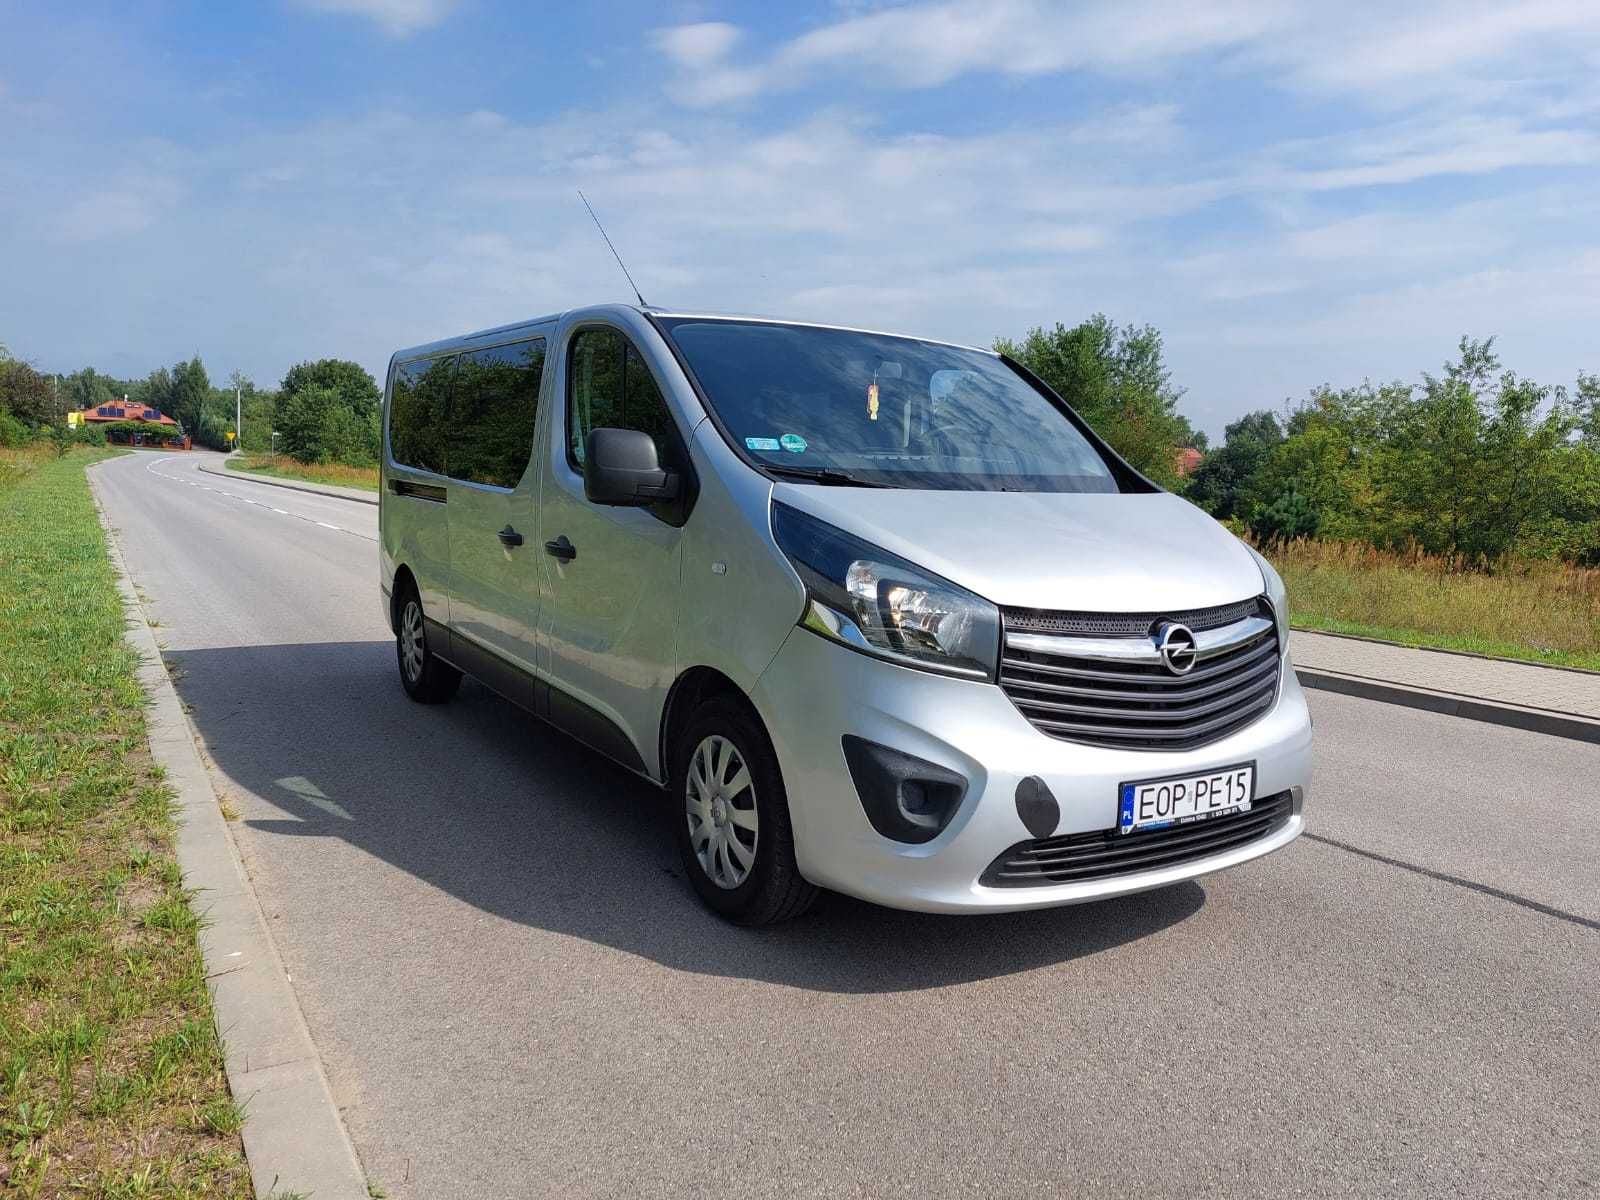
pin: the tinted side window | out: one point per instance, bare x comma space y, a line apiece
419, 407
494, 403
609, 386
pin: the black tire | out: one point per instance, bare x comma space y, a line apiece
774, 890
426, 678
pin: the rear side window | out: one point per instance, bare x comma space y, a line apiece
609, 387
419, 408
493, 406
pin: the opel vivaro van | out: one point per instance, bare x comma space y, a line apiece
881, 614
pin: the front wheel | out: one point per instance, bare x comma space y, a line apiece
427, 678
732, 818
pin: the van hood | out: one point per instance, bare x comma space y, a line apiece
1149, 552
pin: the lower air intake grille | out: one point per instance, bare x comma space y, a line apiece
1079, 857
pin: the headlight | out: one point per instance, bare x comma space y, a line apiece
877, 602
1277, 595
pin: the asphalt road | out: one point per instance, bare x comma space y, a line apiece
516, 995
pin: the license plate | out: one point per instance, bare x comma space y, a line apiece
1180, 799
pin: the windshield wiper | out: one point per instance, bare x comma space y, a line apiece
826, 475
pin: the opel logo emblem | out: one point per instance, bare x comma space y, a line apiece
1176, 645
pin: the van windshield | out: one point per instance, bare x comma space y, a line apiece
844, 406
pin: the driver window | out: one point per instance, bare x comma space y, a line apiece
609, 387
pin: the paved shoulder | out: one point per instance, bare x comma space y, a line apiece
1551, 700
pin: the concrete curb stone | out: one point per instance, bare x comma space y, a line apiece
294, 1139
1448, 703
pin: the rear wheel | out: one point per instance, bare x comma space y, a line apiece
732, 818
426, 678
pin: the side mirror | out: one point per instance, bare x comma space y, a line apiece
620, 468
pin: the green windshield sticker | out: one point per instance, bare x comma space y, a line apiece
793, 443
761, 443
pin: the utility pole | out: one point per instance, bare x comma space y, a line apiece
238, 417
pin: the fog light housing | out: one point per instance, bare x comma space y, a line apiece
907, 799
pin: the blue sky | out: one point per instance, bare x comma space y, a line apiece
1293, 193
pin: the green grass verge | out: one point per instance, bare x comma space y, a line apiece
365, 478
111, 1077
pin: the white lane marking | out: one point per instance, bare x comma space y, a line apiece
282, 512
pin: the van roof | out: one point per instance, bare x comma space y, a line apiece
515, 327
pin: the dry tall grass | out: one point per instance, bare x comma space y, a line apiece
17, 461
1547, 611
293, 468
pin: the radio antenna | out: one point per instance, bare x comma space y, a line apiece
612, 248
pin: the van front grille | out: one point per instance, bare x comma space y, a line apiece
1114, 689
1080, 857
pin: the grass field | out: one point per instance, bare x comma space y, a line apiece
1542, 612
111, 1081
289, 468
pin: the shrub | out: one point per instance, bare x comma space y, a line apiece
1288, 517
13, 432
65, 437
315, 425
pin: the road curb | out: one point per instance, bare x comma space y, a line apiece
1535, 720
267, 481
293, 1136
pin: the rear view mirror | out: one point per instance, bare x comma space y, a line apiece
621, 469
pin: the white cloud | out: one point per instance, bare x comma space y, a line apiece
1386, 51
1382, 47
1420, 148
397, 17
695, 47
929, 44
131, 204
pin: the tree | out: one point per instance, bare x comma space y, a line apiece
1289, 516
155, 391
88, 389
347, 380
1319, 466
1117, 381
1586, 402
191, 388
1475, 463
27, 396
316, 425
1217, 485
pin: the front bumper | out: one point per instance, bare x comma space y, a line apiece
816, 691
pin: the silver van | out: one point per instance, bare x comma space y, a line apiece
881, 614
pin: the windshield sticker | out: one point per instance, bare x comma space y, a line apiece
761, 443
793, 443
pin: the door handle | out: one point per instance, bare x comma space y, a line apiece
509, 537
561, 548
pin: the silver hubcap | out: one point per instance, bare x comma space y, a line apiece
411, 643
721, 810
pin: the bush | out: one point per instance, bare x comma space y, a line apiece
13, 432
65, 437
1288, 517
315, 425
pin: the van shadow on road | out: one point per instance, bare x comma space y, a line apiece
493, 807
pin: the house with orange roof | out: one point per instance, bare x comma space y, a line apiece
117, 411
